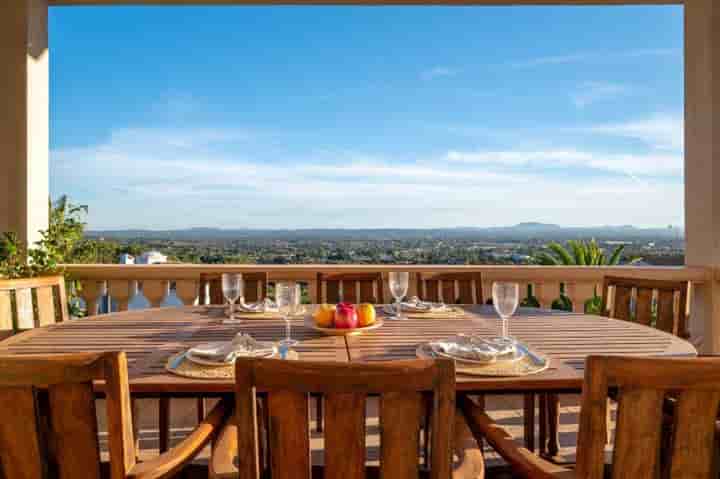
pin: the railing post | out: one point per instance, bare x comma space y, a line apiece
702, 163
547, 292
156, 291
121, 292
187, 291
91, 292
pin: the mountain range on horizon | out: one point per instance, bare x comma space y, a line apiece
521, 231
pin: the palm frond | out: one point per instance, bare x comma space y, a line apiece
564, 256
615, 257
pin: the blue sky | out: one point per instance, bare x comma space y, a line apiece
274, 117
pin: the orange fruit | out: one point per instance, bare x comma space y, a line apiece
365, 314
324, 316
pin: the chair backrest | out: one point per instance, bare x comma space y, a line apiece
643, 385
255, 287
657, 303
344, 387
451, 288
30, 303
351, 287
49, 427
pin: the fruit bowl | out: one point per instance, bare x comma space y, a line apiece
346, 331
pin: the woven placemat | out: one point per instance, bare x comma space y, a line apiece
520, 367
189, 369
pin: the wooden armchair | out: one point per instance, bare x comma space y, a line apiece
276, 437
660, 304
52, 432
351, 287
451, 288
31, 303
255, 288
641, 450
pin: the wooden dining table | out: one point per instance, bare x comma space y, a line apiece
150, 337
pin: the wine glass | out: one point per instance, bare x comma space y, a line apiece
398, 283
232, 286
506, 297
287, 296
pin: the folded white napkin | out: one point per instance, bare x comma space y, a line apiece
416, 304
265, 306
472, 348
242, 345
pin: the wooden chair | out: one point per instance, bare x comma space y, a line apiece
351, 287
643, 385
50, 429
451, 288
42, 299
255, 287
245, 442
660, 304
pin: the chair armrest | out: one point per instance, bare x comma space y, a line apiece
222, 463
168, 463
523, 462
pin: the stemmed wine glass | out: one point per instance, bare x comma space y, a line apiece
398, 283
232, 286
506, 297
287, 295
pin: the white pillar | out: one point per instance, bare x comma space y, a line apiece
24, 118
702, 161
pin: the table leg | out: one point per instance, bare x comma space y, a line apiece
542, 427
529, 421
164, 424
553, 416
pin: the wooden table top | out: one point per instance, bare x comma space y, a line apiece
150, 337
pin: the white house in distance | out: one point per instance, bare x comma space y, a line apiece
150, 257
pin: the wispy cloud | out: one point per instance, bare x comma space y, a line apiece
593, 56
628, 164
172, 178
660, 132
439, 72
593, 92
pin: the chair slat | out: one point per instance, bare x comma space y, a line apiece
367, 292
345, 435
6, 320
332, 292
693, 445
289, 436
45, 305
667, 314
400, 415
621, 304
465, 292
643, 306
448, 290
432, 291
349, 291
21, 453
74, 429
638, 432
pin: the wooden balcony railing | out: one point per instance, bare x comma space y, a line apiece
155, 282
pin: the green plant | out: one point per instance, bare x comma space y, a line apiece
56, 246
580, 253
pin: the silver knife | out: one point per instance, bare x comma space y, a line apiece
535, 358
178, 360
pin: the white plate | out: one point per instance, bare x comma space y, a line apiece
193, 355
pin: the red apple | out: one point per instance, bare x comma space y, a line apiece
346, 316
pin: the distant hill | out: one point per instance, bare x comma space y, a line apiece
519, 232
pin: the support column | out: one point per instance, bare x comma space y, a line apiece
702, 162
24, 121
